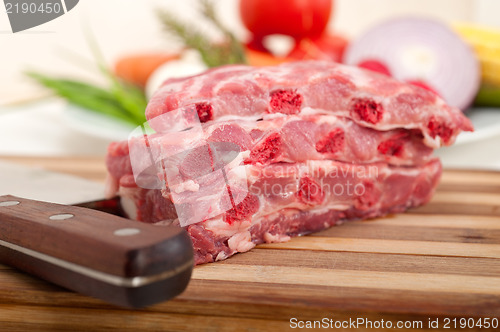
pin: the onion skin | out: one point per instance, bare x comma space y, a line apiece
421, 49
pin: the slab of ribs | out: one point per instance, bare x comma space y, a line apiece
241, 155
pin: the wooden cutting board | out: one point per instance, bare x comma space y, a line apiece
437, 262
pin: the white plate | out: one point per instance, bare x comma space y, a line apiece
486, 123
97, 125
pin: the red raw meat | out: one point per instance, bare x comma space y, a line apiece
289, 199
248, 155
290, 139
311, 87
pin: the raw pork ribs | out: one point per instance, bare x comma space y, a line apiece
245, 155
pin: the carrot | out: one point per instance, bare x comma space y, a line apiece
260, 59
137, 68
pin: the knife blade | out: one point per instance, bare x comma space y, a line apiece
40, 184
106, 256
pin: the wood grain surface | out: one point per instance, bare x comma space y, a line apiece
434, 262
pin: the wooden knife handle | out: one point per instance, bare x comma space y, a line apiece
116, 259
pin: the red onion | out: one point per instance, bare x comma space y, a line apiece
418, 49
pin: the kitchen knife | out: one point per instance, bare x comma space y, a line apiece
118, 260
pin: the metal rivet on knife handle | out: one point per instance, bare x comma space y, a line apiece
61, 216
127, 231
9, 203
118, 260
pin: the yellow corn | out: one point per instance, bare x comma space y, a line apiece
486, 44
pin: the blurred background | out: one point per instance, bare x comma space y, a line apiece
32, 122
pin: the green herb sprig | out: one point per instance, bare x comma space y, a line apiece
229, 51
121, 100
124, 102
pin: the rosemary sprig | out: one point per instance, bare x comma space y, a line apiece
235, 49
230, 51
125, 101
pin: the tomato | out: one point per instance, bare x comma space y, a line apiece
324, 47
296, 18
